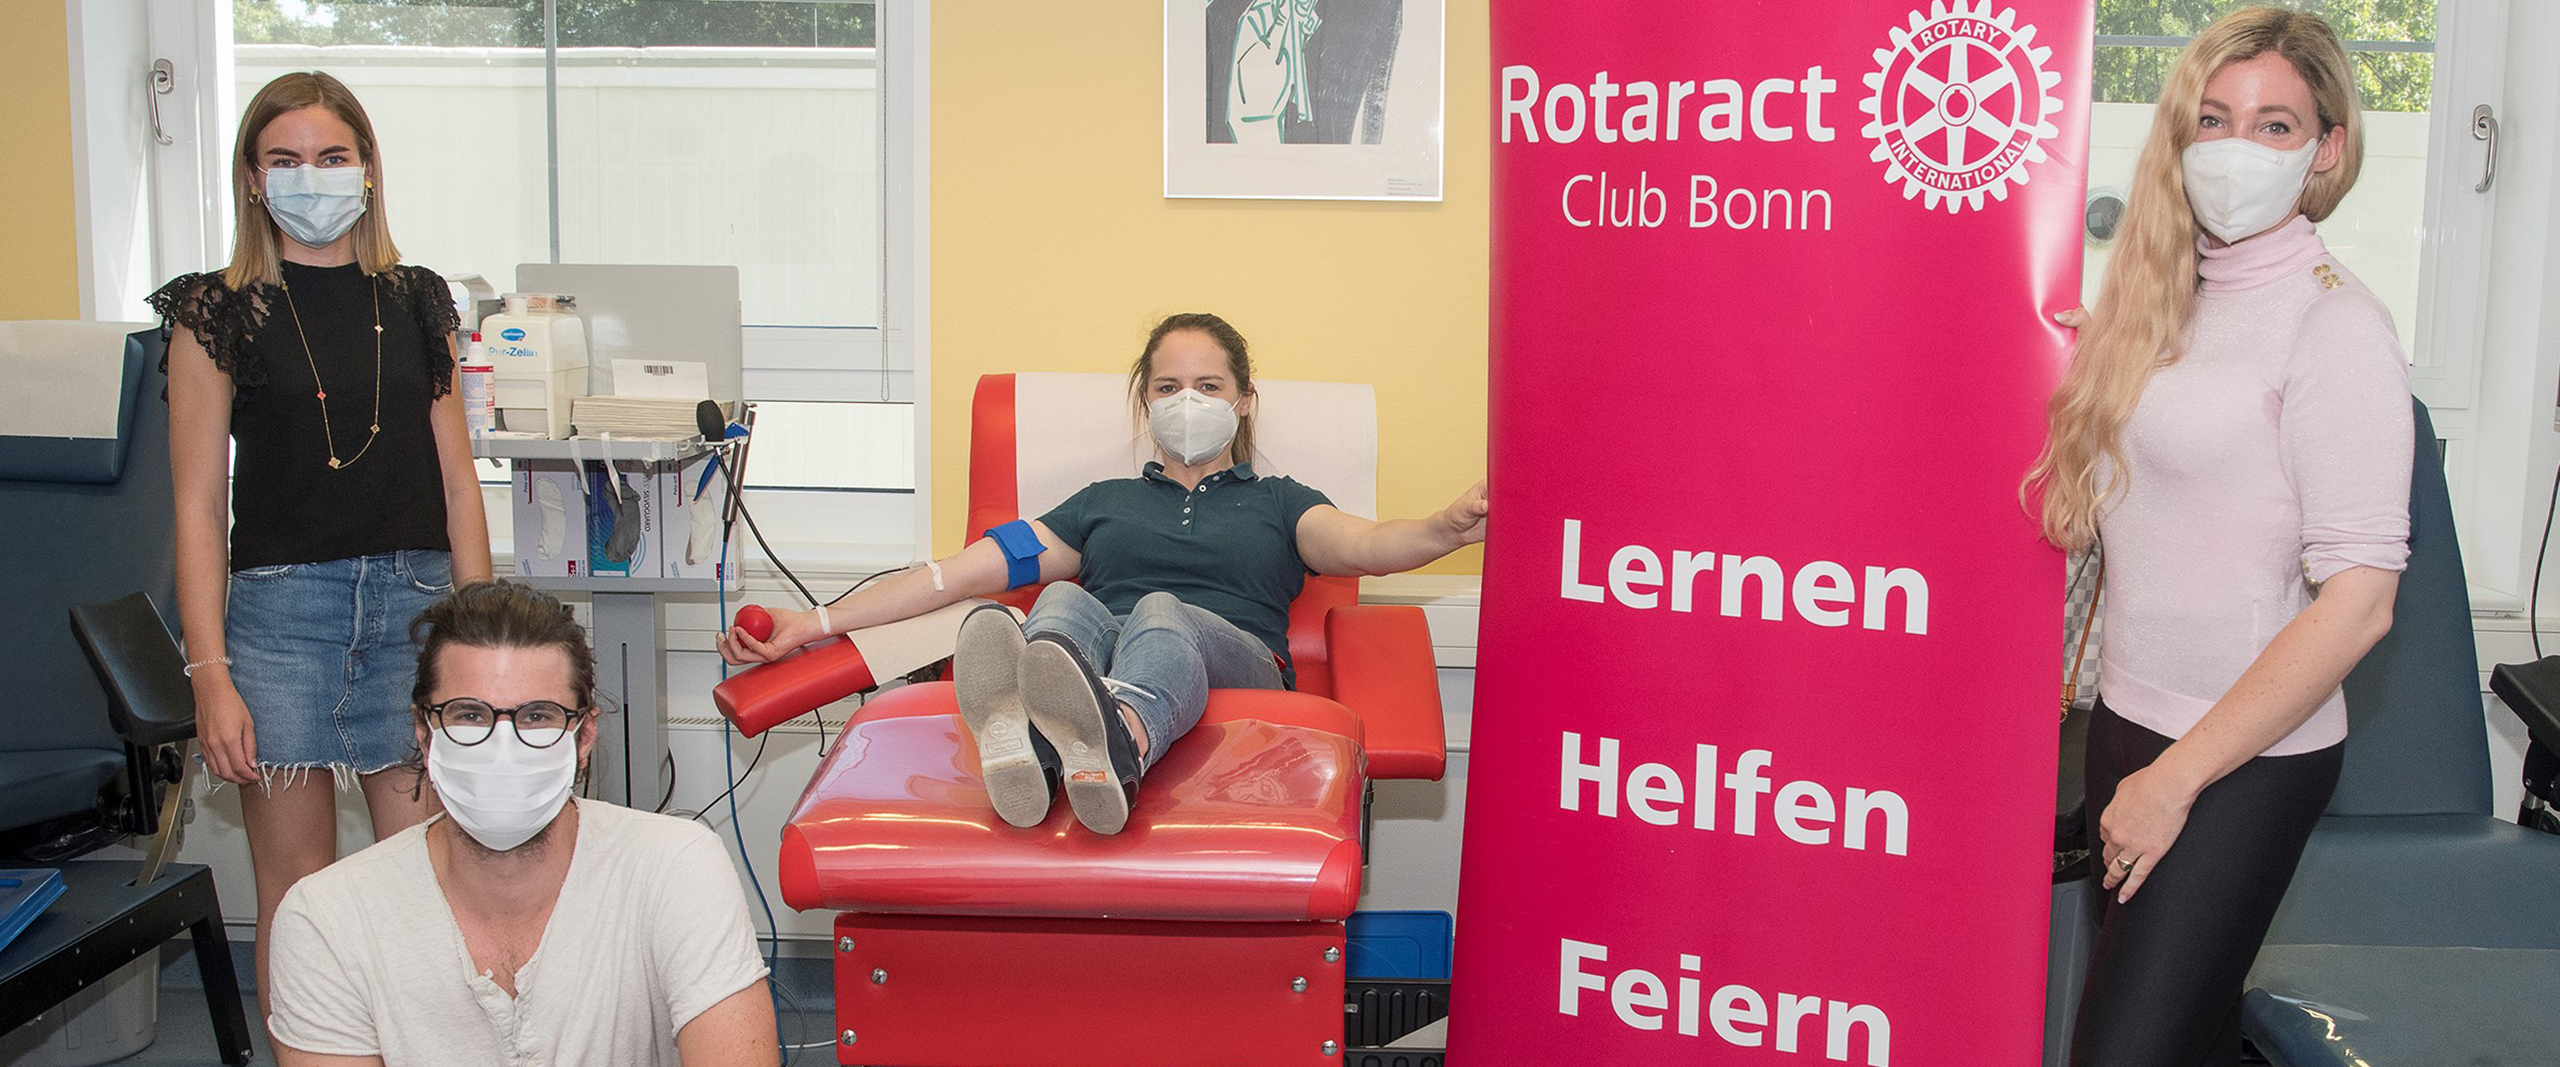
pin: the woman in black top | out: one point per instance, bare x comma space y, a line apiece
352, 499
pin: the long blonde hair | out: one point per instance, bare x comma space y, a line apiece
2150, 288
253, 234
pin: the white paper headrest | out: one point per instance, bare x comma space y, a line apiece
66, 378
1071, 430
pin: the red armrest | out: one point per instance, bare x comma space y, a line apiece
1309, 652
1383, 670
760, 698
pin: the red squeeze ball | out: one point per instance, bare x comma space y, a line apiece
756, 621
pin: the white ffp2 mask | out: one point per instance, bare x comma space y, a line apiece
315, 205
1191, 427
2240, 188
503, 791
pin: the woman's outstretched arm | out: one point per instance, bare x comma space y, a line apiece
978, 570
1337, 543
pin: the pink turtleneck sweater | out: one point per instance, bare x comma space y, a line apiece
2274, 454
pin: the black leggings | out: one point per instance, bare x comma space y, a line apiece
2165, 975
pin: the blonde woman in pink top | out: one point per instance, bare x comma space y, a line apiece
2235, 429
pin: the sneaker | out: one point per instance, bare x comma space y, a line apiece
1071, 706
986, 672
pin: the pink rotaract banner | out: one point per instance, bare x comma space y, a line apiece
1763, 750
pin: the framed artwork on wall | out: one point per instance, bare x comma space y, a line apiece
1303, 99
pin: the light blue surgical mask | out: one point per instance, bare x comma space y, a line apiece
315, 205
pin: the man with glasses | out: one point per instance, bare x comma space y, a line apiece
523, 925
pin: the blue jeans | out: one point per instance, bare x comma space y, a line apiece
322, 657
1161, 659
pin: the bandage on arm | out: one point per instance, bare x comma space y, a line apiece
1021, 547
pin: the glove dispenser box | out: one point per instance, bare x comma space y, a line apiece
551, 520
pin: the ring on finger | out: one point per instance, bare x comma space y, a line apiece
2126, 864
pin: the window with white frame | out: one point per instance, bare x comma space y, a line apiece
2378, 230
2415, 228
737, 132
778, 136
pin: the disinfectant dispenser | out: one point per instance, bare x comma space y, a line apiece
538, 346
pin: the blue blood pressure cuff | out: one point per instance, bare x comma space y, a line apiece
1021, 547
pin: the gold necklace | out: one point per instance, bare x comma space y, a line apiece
328, 435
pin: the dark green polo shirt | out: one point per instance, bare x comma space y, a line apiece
1230, 546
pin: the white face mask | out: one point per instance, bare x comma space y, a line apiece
2240, 188
503, 791
1191, 427
315, 205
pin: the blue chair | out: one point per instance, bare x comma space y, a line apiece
94, 733
99, 504
2420, 928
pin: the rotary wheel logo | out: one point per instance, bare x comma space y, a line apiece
1960, 104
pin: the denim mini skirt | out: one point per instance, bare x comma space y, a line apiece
321, 655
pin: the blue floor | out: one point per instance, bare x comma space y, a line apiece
186, 1031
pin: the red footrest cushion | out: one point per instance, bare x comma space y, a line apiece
1254, 815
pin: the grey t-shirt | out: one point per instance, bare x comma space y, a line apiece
651, 930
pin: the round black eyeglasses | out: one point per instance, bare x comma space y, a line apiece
470, 720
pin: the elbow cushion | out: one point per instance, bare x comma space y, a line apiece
1021, 547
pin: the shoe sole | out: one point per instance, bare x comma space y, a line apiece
1069, 713
986, 673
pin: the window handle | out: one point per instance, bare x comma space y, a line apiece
163, 79
2484, 127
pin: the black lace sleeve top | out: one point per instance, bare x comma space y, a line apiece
334, 451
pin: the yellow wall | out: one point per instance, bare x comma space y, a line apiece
1054, 248
39, 261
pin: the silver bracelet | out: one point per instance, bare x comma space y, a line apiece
190, 669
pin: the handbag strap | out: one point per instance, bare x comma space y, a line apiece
2080, 649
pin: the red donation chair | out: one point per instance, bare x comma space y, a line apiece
1211, 930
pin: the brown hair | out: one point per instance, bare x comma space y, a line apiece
500, 614
2149, 292
253, 234
1239, 364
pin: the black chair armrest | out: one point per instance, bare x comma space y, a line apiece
2532, 691
148, 698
